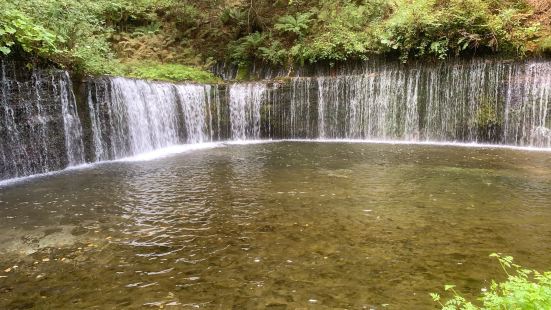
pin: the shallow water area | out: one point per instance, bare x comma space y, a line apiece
283, 225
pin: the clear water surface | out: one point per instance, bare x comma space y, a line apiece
289, 225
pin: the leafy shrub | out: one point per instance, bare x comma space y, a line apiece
342, 31
297, 24
426, 27
94, 37
274, 54
545, 45
233, 16
18, 30
81, 36
523, 289
247, 48
183, 15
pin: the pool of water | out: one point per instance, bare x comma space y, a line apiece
283, 225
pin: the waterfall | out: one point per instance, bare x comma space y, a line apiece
98, 100
195, 103
71, 122
473, 101
486, 101
40, 129
130, 117
150, 113
216, 124
301, 108
528, 105
245, 101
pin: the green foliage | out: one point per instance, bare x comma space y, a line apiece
274, 54
247, 48
19, 30
94, 37
183, 15
169, 72
243, 72
424, 27
82, 37
234, 16
544, 44
147, 30
297, 24
406, 28
342, 31
523, 289
88, 33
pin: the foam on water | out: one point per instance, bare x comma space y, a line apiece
157, 154
251, 142
13, 181
429, 143
171, 150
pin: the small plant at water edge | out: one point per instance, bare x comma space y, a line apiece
523, 289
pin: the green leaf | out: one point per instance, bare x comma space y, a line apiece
448, 287
5, 50
10, 30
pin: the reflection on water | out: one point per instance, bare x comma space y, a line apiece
274, 226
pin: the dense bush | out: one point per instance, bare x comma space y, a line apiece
17, 30
424, 27
104, 36
81, 35
343, 30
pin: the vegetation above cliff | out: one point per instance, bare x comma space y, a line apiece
111, 36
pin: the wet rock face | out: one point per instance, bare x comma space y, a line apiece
33, 120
